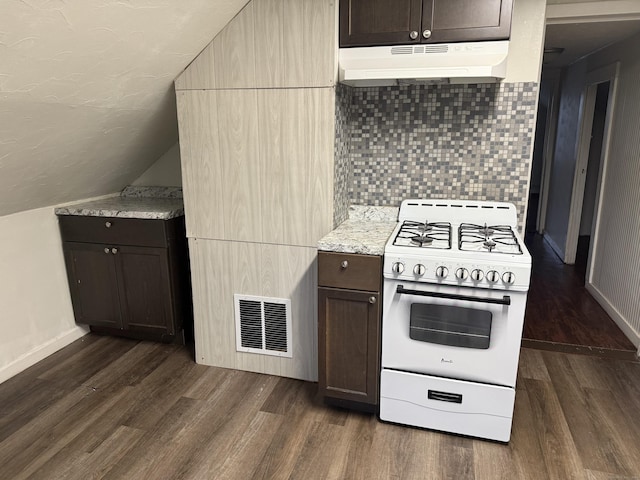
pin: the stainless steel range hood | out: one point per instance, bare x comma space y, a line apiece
477, 62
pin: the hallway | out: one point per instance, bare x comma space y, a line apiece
561, 315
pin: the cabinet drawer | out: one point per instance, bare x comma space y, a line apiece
349, 270
113, 230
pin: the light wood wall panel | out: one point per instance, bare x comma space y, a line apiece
319, 42
295, 180
320, 133
293, 51
240, 165
257, 156
270, 44
221, 269
201, 166
234, 54
296, 147
199, 74
258, 164
272, 114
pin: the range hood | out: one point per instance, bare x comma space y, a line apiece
476, 62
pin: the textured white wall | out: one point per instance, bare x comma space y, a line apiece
86, 91
164, 172
36, 317
616, 278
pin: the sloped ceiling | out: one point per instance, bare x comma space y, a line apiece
86, 91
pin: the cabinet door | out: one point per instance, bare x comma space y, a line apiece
465, 20
93, 285
348, 344
145, 289
379, 22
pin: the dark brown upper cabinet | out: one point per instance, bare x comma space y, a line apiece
393, 22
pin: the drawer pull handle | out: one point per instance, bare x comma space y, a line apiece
107, 224
444, 396
106, 250
344, 264
372, 300
114, 250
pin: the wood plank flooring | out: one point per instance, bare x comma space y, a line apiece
114, 408
561, 314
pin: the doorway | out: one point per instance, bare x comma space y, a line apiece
594, 157
561, 313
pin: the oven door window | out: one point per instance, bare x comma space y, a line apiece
450, 325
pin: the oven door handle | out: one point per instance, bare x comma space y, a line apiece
505, 300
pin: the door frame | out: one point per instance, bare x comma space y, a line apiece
549, 145
608, 73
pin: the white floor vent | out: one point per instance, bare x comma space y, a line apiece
263, 325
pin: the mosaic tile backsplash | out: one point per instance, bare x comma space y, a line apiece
442, 141
343, 168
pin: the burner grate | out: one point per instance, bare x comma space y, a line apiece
424, 235
488, 238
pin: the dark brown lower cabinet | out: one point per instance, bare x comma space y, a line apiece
93, 284
349, 323
134, 290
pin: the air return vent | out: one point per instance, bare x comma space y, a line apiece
408, 50
441, 48
263, 325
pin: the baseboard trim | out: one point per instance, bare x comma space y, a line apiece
615, 315
41, 352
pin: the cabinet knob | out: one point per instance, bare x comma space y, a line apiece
413, 35
106, 250
107, 224
114, 250
426, 34
372, 300
344, 264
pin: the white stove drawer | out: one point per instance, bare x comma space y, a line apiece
454, 406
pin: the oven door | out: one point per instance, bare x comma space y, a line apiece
456, 332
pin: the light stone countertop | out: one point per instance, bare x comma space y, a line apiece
365, 232
151, 203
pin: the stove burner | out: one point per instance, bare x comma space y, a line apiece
489, 244
424, 234
492, 239
422, 239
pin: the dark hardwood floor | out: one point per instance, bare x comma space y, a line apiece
561, 314
113, 408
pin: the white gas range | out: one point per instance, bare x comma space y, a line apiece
456, 276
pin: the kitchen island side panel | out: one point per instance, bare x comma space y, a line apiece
221, 269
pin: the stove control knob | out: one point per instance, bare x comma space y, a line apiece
493, 276
442, 272
419, 269
508, 278
477, 275
462, 274
397, 267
